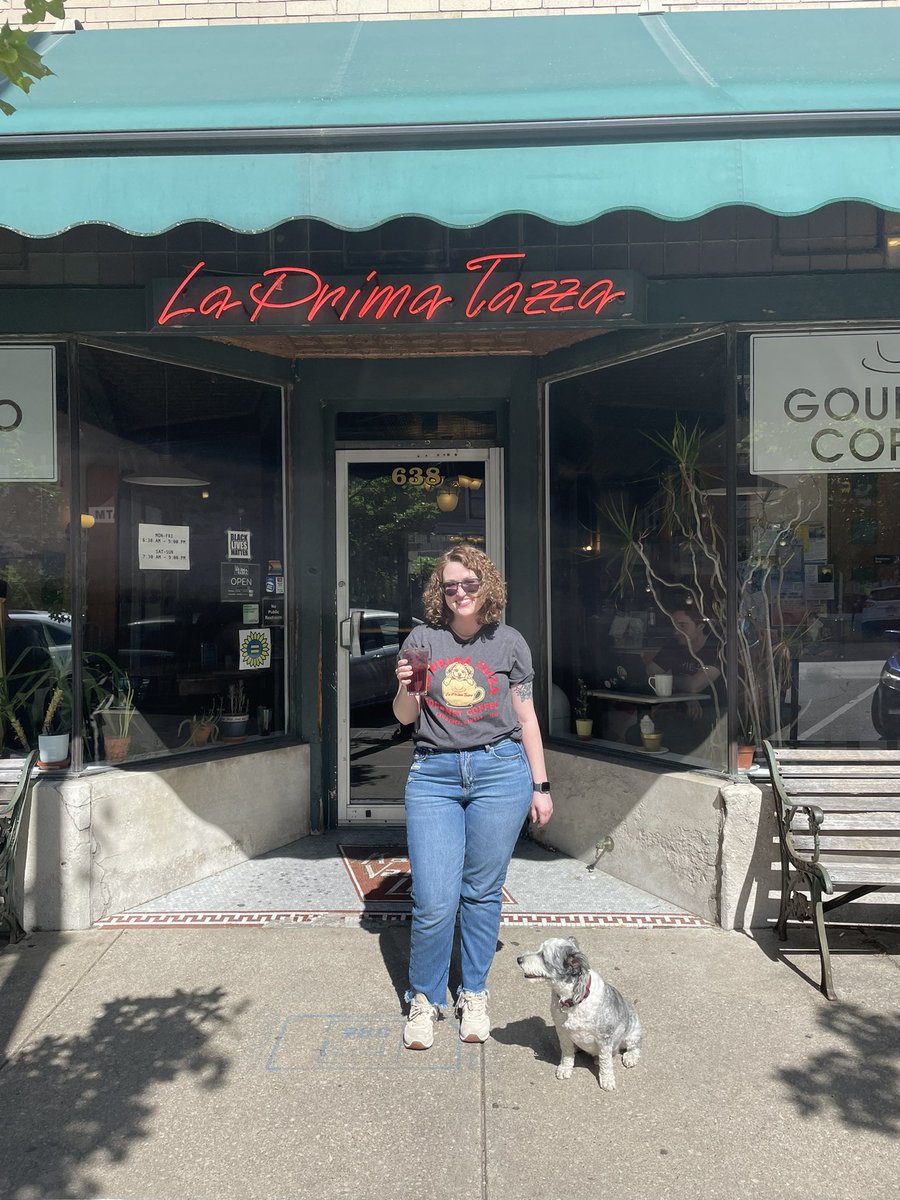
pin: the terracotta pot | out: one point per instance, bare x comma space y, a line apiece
745, 757
583, 727
116, 748
200, 735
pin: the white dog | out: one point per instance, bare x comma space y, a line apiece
588, 1013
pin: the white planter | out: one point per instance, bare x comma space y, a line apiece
234, 725
53, 748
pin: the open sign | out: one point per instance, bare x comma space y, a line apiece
238, 581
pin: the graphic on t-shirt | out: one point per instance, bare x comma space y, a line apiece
459, 688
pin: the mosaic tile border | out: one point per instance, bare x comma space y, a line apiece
262, 918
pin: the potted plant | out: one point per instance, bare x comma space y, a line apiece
24, 697
583, 723
684, 514
235, 713
202, 729
10, 707
53, 745
117, 713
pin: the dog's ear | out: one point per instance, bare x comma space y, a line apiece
573, 942
575, 962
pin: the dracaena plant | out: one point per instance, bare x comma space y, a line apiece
683, 511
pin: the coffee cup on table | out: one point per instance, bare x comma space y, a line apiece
661, 684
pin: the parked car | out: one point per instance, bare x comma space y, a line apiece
44, 636
886, 698
881, 609
373, 658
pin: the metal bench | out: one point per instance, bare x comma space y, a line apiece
838, 815
10, 824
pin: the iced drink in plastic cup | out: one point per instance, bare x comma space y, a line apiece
418, 660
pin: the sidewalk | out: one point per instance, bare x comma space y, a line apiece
266, 1064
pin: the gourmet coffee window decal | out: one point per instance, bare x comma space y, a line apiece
825, 402
494, 291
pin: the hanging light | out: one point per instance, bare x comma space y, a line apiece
166, 471
447, 497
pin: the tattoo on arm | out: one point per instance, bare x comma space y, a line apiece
525, 691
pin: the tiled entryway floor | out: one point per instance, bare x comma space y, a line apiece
349, 875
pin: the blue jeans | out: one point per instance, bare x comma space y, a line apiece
464, 811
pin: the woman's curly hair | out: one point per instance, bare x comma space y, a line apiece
492, 592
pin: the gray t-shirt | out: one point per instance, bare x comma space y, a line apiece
468, 702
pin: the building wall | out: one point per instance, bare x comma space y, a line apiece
111, 14
704, 844
99, 844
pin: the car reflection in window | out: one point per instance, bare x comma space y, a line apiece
35, 639
372, 670
886, 698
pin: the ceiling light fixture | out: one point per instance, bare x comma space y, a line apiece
165, 470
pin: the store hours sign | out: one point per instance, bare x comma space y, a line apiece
825, 402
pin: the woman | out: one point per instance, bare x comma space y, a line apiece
477, 771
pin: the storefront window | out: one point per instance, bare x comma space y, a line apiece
183, 557
35, 565
638, 576
819, 514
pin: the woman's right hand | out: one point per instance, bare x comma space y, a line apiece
405, 706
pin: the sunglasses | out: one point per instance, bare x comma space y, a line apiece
469, 586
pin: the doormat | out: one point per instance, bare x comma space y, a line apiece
381, 875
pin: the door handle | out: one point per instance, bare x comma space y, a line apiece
350, 632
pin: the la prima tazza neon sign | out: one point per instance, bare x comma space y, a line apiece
495, 289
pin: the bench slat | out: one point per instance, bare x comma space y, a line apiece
790, 755
837, 771
846, 873
849, 804
843, 787
884, 848
842, 822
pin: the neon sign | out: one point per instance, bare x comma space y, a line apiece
495, 291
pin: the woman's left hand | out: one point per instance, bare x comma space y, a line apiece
541, 808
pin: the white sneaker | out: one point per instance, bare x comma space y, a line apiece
474, 1022
419, 1031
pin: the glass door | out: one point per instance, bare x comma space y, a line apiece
397, 512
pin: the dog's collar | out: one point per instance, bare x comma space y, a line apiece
572, 1003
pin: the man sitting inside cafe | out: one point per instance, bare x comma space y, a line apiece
691, 657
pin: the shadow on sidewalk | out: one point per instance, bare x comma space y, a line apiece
534, 1033
70, 1100
860, 1084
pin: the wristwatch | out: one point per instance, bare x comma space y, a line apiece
541, 787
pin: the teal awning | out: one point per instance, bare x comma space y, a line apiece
458, 120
